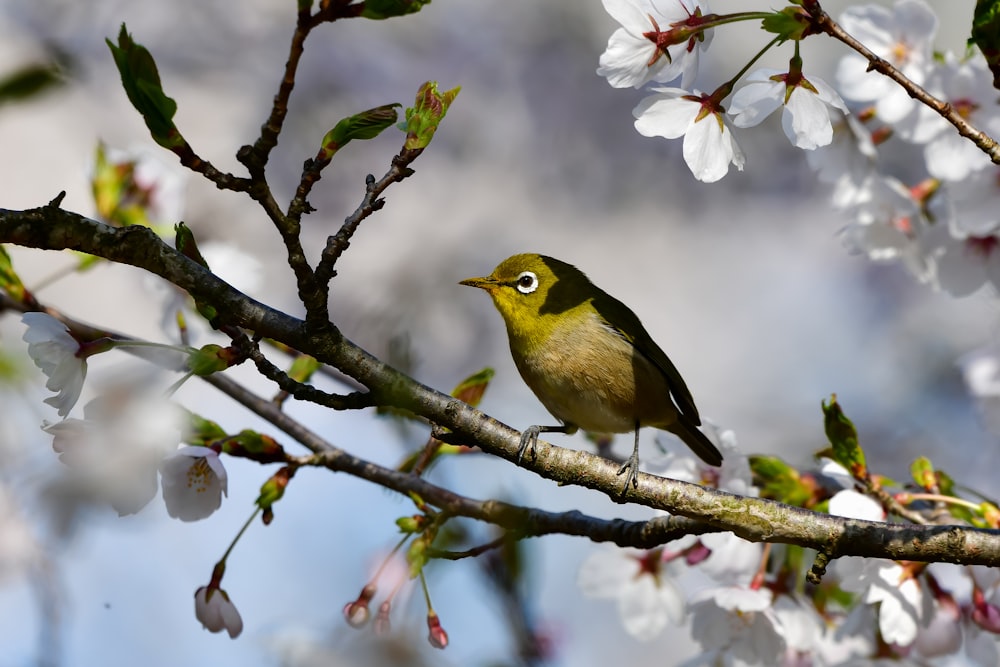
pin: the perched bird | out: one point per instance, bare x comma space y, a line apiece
588, 358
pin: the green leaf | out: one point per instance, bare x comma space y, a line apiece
791, 23
843, 437
923, 473
365, 125
383, 9
302, 368
986, 34
10, 282
471, 389
185, 242
273, 489
29, 81
423, 118
201, 431
209, 359
141, 81
779, 481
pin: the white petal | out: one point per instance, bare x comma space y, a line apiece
606, 571
665, 115
646, 608
850, 503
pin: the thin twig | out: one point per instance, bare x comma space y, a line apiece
304, 392
336, 245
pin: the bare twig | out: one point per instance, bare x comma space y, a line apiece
336, 245
304, 392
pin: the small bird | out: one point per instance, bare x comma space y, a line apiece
588, 358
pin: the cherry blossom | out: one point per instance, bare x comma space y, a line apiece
709, 145
57, 353
641, 582
892, 224
633, 57
805, 105
902, 606
737, 623
966, 84
216, 612
116, 450
903, 36
193, 481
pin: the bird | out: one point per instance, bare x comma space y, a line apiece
587, 357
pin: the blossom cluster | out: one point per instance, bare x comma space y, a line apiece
661, 41
916, 191
749, 610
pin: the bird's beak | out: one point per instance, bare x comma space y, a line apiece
487, 283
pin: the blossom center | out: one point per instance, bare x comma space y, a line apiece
199, 475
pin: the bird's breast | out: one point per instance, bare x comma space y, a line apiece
588, 375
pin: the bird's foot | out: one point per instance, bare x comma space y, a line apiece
631, 471
529, 438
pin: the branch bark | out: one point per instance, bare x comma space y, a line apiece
50, 227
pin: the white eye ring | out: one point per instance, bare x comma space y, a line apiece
527, 282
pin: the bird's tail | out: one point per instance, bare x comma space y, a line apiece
697, 441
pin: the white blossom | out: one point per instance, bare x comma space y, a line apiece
55, 351
642, 584
737, 623
967, 85
904, 36
850, 503
632, 59
193, 480
892, 225
216, 612
805, 105
116, 450
902, 605
709, 145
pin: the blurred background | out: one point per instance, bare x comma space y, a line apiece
745, 283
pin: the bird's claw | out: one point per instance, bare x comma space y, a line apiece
529, 437
631, 471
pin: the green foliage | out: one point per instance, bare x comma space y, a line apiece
30, 81
141, 81
365, 125
10, 282
844, 439
779, 481
208, 359
201, 431
383, 9
986, 34
791, 23
428, 110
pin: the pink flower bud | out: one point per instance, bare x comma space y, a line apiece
435, 633
382, 625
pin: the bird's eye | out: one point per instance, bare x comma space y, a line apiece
527, 282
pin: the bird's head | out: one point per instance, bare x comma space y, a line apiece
532, 292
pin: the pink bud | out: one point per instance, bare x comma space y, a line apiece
382, 625
435, 633
357, 612
696, 554
985, 615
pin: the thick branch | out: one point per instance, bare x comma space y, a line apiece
751, 518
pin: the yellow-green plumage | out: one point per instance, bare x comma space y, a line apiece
587, 357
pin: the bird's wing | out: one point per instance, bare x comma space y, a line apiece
620, 319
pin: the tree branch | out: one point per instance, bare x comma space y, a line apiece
754, 519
